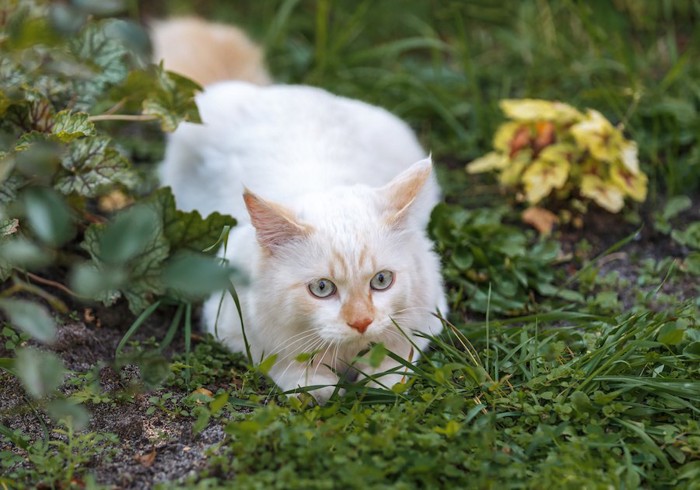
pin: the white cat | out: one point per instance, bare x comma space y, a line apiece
333, 197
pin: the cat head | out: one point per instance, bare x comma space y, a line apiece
349, 261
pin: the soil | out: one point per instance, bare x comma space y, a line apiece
160, 447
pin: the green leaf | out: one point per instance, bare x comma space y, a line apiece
70, 412
172, 101
91, 166
37, 158
689, 471
129, 234
24, 254
581, 402
670, 334
218, 403
4, 102
692, 263
7, 164
376, 355
68, 126
135, 241
187, 230
195, 276
8, 227
462, 257
30, 317
202, 420
450, 430
675, 206
99, 284
104, 57
154, 369
690, 237
267, 363
100, 7
9, 188
49, 216
40, 372
692, 350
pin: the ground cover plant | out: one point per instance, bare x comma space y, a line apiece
568, 361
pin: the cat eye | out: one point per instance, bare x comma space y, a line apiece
321, 288
382, 280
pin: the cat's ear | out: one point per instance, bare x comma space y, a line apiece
403, 190
274, 224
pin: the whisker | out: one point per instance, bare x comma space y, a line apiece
320, 360
311, 345
287, 343
414, 308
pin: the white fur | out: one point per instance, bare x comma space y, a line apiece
330, 161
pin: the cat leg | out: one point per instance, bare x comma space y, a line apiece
390, 372
382, 379
296, 374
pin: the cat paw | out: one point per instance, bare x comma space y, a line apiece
319, 396
387, 381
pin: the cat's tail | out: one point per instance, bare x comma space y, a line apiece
207, 52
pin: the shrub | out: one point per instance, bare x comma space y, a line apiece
551, 150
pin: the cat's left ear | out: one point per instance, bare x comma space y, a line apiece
275, 225
403, 190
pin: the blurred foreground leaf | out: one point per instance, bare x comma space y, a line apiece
31, 318
41, 372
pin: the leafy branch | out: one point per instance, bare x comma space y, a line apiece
68, 86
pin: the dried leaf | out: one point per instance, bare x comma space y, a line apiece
490, 161
606, 195
114, 201
147, 459
540, 219
633, 185
542, 177
203, 391
536, 109
521, 139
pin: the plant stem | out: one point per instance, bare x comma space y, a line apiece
123, 117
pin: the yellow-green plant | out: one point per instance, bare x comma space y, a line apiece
551, 149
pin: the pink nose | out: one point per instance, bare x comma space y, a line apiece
361, 324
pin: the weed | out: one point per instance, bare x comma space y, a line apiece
60, 461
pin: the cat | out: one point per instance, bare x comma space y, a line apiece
332, 196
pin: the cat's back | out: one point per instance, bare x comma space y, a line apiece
281, 141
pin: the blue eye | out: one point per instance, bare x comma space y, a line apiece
322, 288
382, 280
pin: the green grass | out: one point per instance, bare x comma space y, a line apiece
579, 390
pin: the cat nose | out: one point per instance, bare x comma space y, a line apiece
360, 324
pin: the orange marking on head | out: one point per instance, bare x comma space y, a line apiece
338, 259
363, 255
358, 311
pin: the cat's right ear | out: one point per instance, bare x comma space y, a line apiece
404, 189
274, 224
